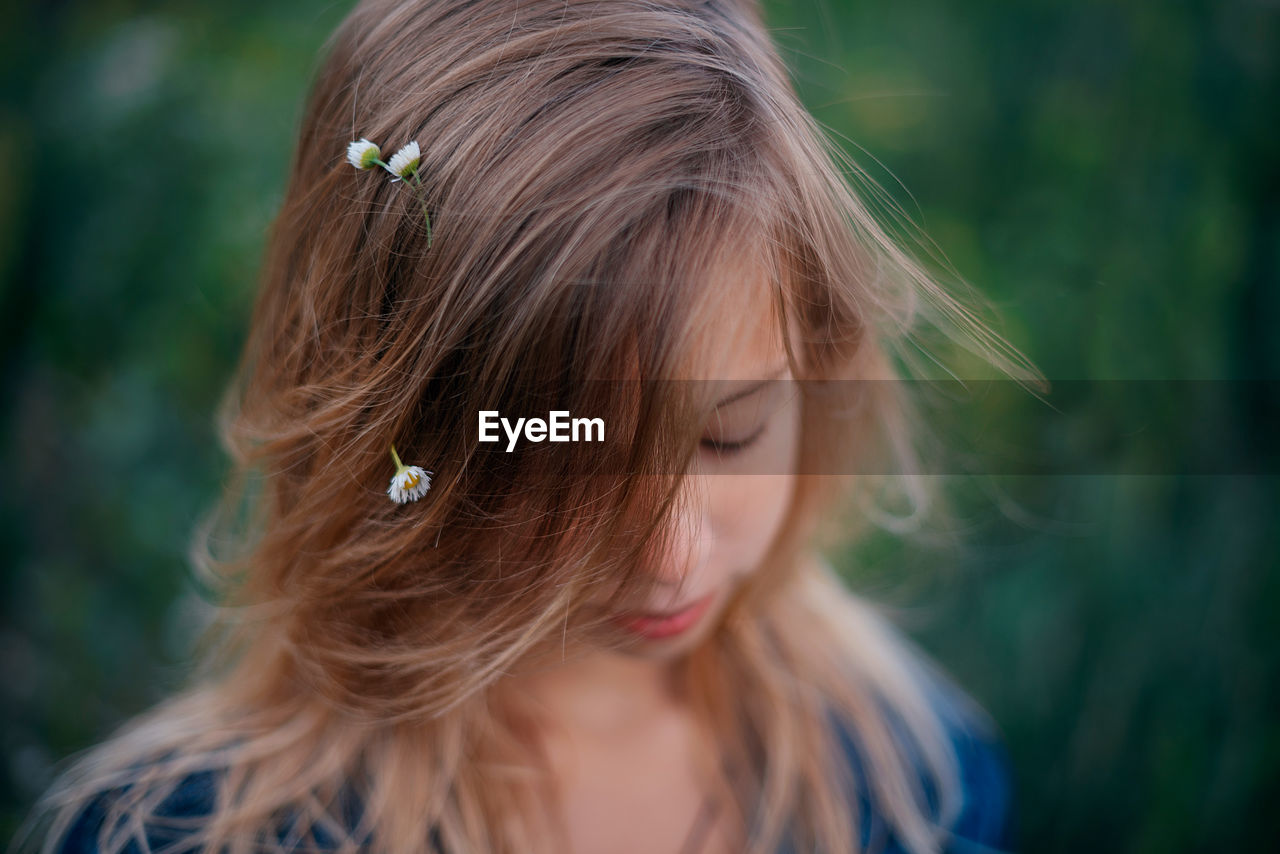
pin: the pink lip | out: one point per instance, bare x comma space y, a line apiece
667, 625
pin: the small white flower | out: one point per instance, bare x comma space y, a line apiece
409, 483
363, 154
405, 161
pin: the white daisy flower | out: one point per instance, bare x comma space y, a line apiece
405, 161
363, 154
409, 483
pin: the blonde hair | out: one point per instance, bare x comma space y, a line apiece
588, 167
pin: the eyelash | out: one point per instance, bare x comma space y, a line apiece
729, 448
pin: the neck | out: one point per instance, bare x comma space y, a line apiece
597, 692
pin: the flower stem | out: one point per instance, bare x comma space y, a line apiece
418, 182
395, 457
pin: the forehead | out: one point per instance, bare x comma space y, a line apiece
740, 337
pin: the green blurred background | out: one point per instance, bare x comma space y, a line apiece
1105, 171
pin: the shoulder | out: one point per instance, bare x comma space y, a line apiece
985, 820
174, 826
983, 823
175, 818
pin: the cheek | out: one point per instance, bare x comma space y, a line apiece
748, 509
749, 513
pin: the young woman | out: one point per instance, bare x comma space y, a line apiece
616, 209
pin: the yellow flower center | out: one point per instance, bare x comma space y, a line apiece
410, 479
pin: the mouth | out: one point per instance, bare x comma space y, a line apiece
669, 624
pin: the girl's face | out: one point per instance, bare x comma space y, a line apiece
739, 490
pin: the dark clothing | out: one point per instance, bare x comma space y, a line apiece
983, 824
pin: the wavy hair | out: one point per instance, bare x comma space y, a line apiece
589, 166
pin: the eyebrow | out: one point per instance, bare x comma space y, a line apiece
753, 388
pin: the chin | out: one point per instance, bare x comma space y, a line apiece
667, 649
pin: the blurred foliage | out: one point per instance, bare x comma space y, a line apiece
1105, 172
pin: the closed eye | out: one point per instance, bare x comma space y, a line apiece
727, 447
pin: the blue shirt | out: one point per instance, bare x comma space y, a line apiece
983, 824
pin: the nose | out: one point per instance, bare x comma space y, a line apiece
687, 541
